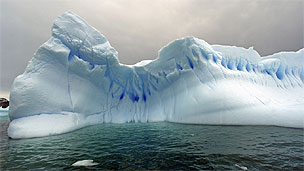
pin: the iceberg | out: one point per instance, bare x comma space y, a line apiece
75, 80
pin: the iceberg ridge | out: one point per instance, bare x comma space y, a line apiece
75, 79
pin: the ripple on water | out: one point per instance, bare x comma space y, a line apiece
159, 146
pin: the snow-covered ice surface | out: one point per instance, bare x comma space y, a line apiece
75, 80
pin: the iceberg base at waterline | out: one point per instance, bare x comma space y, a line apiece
4, 111
75, 80
50, 124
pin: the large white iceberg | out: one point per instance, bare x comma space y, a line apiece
75, 80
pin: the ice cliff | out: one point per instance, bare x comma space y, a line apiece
75, 80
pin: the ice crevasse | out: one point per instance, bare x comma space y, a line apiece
75, 80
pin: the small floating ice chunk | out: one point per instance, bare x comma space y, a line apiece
84, 163
241, 167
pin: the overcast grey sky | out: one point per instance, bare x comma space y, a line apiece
137, 29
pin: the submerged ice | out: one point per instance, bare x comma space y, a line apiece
75, 80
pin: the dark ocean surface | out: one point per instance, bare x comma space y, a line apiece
157, 146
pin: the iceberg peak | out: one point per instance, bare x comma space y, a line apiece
83, 40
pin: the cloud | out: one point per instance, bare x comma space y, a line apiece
137, 29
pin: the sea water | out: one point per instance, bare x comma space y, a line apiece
160, 146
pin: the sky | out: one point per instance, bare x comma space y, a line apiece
137, 29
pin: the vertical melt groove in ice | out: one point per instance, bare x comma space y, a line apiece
75, 80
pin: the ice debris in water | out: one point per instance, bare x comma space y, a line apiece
85, 163
241, 167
